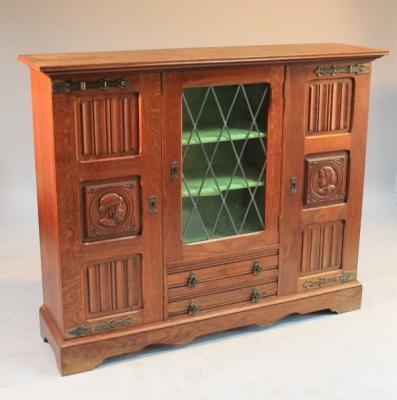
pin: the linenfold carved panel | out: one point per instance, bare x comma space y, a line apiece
330, 105
113, 286
111, 209
107, 126
322, 247
325, 178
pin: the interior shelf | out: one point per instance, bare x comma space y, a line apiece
196, 234
211, 135
211, 189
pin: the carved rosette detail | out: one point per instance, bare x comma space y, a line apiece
111, 209
325, 179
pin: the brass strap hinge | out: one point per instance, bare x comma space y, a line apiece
348, 69
317, 283
102, 84
83, 330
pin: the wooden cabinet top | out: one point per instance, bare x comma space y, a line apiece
191, 57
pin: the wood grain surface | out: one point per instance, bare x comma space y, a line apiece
141, 59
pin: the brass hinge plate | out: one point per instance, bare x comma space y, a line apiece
83, 330
358, 69
102, 84
329, 280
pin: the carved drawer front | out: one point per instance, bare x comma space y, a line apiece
111, 209
223, 277
330, 104
325, 176
230, 298
107, 125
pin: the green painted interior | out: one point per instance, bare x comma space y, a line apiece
224, 181
213, 134
217, 142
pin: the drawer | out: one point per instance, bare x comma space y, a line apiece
195, 282
199, 277
245, 296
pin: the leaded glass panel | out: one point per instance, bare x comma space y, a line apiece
224, 160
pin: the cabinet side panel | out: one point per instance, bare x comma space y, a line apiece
46, 193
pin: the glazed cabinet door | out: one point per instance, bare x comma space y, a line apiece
108, 170
222, 136
325, 136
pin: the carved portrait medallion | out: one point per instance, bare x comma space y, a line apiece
325, 179
111, 209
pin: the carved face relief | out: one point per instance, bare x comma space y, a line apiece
111, 209
325, 179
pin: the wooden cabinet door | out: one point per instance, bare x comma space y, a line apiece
222, 138
324, 149
108, 173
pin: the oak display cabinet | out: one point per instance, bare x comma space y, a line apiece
188, 191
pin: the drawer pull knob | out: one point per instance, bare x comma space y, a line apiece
192, 280
192, 309
257, 268
255, 296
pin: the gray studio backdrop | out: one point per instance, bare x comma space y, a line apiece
83, 25
349, 356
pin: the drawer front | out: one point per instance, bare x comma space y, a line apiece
243, 296
206, 274
195, 283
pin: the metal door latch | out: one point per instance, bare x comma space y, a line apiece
174, 171
293, 183
152, 205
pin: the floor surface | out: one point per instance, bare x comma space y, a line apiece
320, 356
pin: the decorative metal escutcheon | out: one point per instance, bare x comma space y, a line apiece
193, 280
174, 171
293, 184
192, 309
255, 296
152, 205
257, 268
